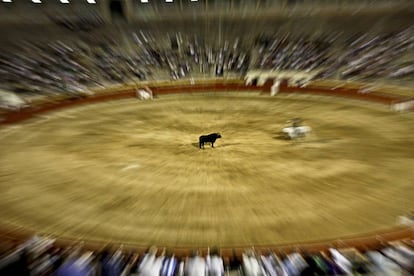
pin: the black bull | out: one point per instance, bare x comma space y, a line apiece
211, 138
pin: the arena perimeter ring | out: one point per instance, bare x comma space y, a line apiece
131, 172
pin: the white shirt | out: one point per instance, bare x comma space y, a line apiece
150, 265
251, 266
215, 265
196, 266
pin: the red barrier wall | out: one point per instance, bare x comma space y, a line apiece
354, 93
18, 116
237, 86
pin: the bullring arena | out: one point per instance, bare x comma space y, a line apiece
123, 171
109, 111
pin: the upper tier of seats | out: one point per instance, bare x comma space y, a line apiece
73, 64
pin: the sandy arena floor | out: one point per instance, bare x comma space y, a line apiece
131, 171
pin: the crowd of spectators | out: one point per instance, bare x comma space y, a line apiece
74, 64
42, 256
293, 54
65, 67
360, 57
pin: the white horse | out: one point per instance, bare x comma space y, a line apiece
296, 132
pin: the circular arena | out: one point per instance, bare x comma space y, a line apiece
128, 171
108, 115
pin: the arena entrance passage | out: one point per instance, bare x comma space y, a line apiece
117, 9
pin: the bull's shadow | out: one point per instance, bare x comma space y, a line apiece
207, 145
197, 145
